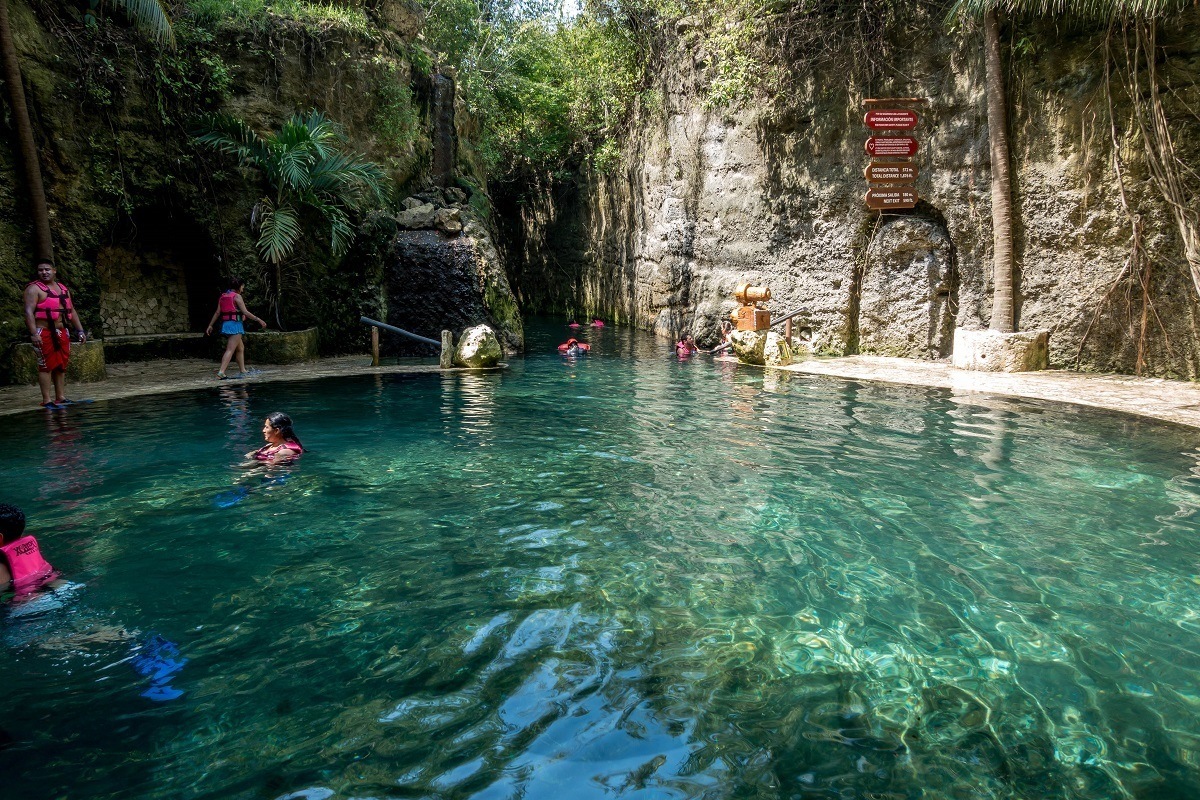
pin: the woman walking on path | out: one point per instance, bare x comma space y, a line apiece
231, 309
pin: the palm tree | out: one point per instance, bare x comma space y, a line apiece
1003, 315
10, 68
147, 15
1003, 318
303, 167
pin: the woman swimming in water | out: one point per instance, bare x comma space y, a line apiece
283, 446
573, 347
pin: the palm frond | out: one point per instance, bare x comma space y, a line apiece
151, 18
278, 231
294, 164
233, 137
350, 177
325, 134
341, 233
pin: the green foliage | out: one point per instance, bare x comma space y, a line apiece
191, 78
548, 90
148, 16
304, 167
397, 115
317, 17
607, 157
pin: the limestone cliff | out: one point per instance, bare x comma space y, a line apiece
773, 193
139, 213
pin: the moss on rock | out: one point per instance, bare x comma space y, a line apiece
86, 364
282, 347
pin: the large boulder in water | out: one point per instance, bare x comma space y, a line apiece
776, 351
762, 348
478, 348
748, 346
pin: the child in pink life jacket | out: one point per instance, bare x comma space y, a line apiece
22, 568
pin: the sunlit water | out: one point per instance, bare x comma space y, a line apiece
619, 576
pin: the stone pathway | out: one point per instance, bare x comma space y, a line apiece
1171, 401
178, 375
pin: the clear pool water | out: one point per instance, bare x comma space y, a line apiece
621, 576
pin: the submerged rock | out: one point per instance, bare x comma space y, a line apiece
478, 348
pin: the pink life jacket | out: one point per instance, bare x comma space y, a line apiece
55, 306
262, 455
29, 570
228, 307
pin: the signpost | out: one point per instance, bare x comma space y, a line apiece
889, 197
891, 119
891, 181
892, 146
891, 172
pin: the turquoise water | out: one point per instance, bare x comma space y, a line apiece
621, 576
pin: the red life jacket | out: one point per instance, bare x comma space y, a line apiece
262, 455
228, 307
24, 560
55, 306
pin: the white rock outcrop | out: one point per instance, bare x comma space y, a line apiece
478, 348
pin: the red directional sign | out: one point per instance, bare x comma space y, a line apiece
891, 172
892, 146
891, 119
883, 199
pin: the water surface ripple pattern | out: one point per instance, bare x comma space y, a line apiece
615, 576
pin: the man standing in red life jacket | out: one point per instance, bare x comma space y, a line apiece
48, 311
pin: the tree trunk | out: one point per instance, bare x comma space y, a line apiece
1002, 235
10, 70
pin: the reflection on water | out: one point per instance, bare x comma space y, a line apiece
625, 575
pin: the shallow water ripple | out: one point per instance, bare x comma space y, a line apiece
616, 576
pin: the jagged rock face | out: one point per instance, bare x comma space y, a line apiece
908, 288
434, 281
431, 284
708, 199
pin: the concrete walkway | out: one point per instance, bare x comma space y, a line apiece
1171, 401
179, 375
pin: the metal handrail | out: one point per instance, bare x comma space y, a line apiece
795, 313
400, 331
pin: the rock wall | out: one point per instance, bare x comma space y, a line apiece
773, 193
112, 118
439, 269
142, 293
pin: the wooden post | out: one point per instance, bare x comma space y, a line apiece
447, 359
374, 346
787, 332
